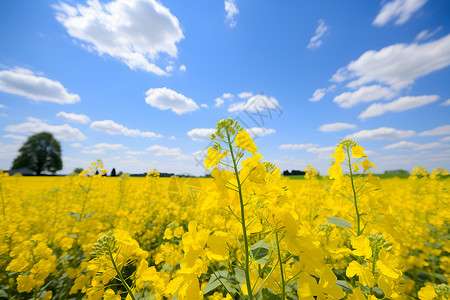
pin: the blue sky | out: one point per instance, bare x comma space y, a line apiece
141, 83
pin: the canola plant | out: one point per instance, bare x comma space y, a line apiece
245, 233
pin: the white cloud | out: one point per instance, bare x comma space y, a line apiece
227, 96
382, 133
318, 95
135, 152
164, 98
338, 126
9, 152
3, 106
164, 151
219, 102
398, 65
363, 94
401, 104
23, 82
446, 102
133, 31
400, 145
245, 95
113, 128
445, 139
232, 11
102, 148
169, 68
426, 34
297, 146
256, 103
441, 130
3, 115
398, 11
322, 152
72, 117
204, 105
76, 145
182, 68
316, 41
63, 132
15, 137
200, 134
428, 146
260, 131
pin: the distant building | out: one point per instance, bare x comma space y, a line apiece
23, 171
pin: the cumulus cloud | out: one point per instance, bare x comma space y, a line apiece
297, 146
9, 152
72, 117
426, 34
102, 148
165, 151
446, 102
136, 32
3, 106
204, 105
15, 137
113, 128
260, 131
256, 103
182, 68
398, 11
440, 130
363, 94
25, 83
245, 95
164, 98
414, 146
318, 95
316, 41
219, 102
232, 11
76, 145
382, 133
400, 145
338, 126
401, 104
63, 132
398, 65
200, 134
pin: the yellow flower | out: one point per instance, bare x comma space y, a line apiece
362, 246
244, 141
338, 155
214, 156
357, 151
217, 244
364, 274
427, 293
325, 289
388, 265
366, 164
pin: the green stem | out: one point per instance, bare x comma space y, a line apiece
374, 261
358, 218
85, 199
283, 292
244, 228
3, 202
120, 274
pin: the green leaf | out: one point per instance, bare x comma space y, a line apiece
3, 294
72, 214
240, 275
343, 285
212, 284
259, 250
89, 214
339, 222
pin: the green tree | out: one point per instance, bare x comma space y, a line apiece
41, 152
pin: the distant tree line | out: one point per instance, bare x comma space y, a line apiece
396, 172
293, 172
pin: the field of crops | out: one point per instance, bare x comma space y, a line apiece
246, 233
